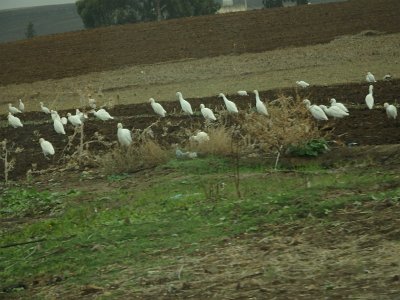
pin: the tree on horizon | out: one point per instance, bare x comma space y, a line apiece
30, 30
96, 13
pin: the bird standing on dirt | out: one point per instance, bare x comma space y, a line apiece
230, 106
370, 77
14, 121
391, 110
54, 115
242, 93
13, 109
102, 114
74, 119
334, 111
200, 137
302, 84
124, 136
261, 108
207, 113
338, 104
157, 107
44, 108
21, 105
81, 115
369, 99
58, 126
186, 107
315, 111
47, 147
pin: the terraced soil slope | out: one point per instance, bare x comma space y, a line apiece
71, 54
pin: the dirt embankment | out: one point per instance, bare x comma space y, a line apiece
362, 127
76, 53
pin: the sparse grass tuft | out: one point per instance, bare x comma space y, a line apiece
140, 155
220, 142
19, 202
178, 214
288, 124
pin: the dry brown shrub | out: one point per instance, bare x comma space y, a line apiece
288, 124
140, 155
220, 142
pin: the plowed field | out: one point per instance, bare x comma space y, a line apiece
362, 127
103, 49
72, 54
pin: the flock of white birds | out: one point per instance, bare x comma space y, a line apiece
319, 112
338, 110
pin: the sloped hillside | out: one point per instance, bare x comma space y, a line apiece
47, 19
76, 53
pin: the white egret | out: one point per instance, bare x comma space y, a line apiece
315, 111
81, 115
13, 109
369, 99
58, 126
64, 120
302, 83
102, 114
47, 147
242, 93
54, 115
391, 110
261, 108
74, 119
21, 105
157, 107
186, 107
207, 113
44, 108
334, 111
338, 104
14, 121
200, 137
124, 136
370, 77
230, 106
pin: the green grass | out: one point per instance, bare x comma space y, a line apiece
89, 241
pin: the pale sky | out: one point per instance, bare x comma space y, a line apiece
6, 4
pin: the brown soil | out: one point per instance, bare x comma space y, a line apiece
71, 54
363, 126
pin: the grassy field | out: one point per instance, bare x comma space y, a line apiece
176, 230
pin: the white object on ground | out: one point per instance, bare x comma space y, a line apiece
47, 147
185, 105
230, 106
391, 110
14, 121
315, 111
261, 108
302, 84
369, 99
124, 136
207, 113
157, 107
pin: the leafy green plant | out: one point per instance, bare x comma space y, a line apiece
311, 148
25, 202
